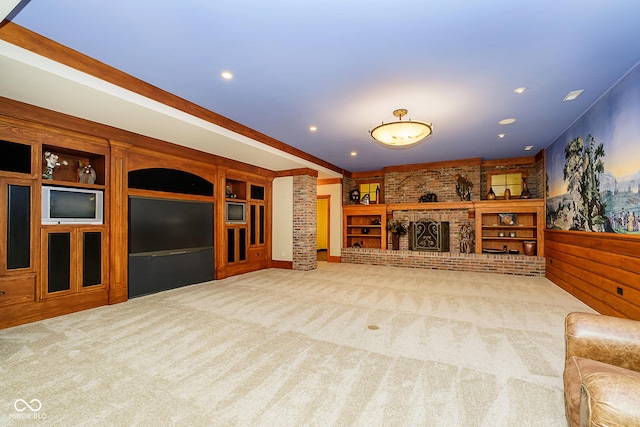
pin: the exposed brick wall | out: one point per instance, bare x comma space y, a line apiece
304, 222
348, 184
521, 265
408, 186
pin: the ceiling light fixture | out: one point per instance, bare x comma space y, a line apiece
520, 89
501, 135
528, 147
401, 133
353, 154
226, 75
573, 95
507, 121
313, 128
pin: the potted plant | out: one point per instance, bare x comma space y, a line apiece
397, 228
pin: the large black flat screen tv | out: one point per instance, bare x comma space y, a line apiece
160, 225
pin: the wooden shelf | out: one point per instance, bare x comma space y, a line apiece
428, 206
358, 217
58, 183
529, 216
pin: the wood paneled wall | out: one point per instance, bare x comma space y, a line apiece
600, 269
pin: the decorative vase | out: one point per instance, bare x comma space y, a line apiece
491, 195
530, 247
507, 194
395, 241
526, 194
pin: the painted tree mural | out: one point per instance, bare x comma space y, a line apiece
582, 168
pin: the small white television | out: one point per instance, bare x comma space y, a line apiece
61, 205
236, 212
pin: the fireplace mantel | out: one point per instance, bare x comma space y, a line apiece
471, 205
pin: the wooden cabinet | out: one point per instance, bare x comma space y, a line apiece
246, 223
506, 226
18, 224
364, 226
73, 260
17, 289
236, 244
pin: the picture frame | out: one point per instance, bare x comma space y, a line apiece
508, 218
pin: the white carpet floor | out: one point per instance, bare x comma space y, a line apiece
343, 345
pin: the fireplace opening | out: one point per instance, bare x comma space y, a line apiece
428, 235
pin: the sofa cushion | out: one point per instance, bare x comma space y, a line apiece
600, 394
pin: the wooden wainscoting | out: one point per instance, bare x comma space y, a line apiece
600, 269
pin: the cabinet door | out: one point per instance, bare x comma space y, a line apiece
236, 244
257, 224
91, 249
57, 266
18, 207
73, 260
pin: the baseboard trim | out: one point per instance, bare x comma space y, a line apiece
334, 259
282, 264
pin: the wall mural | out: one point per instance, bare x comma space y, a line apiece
593, 169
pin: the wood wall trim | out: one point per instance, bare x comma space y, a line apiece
530, 160
43, 120
600, 269
330, 181
282, 264
610, 242
296, 172
18, 314
24, 38
434, 165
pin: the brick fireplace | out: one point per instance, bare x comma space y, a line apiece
429, 236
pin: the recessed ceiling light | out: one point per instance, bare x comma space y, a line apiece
528, 148
313, 128
573, 95
501, 135
226, 75
353, 154
507, 121
520, 89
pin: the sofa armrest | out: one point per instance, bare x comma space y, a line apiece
606, 339
610, 398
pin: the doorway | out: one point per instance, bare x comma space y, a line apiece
322, 228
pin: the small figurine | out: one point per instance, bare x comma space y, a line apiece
428, 198
355, 196
466, 239
86, 174
52, 162
463, 187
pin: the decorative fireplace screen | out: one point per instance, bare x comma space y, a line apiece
428, 235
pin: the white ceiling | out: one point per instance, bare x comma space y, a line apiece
341, 66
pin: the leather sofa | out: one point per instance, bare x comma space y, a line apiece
602, 371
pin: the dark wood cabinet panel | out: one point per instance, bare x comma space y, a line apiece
19, 226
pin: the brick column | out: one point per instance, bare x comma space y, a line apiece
304, 222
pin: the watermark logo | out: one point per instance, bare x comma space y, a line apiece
21, 405
28, 410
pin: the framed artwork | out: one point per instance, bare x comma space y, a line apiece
507, 218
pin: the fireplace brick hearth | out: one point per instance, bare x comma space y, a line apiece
520, 265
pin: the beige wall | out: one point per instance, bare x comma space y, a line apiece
335, 215
282, 224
